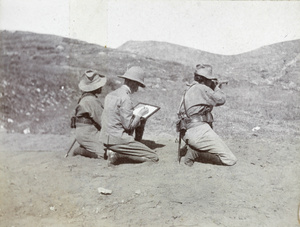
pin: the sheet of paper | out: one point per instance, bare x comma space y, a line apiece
150, 108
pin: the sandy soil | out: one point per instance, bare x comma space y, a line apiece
40, 187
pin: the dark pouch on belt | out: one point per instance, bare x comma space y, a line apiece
181, 125
73, 122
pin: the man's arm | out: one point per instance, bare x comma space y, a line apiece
128, 120
138, 118
217, 96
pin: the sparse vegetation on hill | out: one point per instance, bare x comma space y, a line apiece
39, 76
40, 73
264, 65
260, 123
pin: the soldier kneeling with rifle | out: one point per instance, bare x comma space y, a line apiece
195, 121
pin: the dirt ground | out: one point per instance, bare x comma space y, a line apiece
40, 187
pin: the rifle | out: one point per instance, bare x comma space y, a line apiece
67, 154
218, 83
181, 123
181, 128
222, 82
179, 146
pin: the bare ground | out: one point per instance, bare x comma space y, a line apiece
40, 187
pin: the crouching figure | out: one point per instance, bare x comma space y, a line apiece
119, 123
202, 143
87, 119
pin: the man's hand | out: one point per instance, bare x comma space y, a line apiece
143, 112
220, 83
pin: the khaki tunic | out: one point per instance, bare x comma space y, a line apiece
87, 135
198, 99
117, 125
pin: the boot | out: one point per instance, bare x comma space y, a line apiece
112, 157
206, 157
138, 159
189, 157
115, 158
83, 152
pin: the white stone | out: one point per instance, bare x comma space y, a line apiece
104, 191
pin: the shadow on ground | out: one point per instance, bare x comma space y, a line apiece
151, 144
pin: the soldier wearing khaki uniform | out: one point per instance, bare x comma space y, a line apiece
203, 144
119, 122
88, 115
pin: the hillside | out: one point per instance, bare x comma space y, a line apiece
261, 65
39, 76
171, 52
259, 122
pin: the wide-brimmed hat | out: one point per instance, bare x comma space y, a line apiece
205, 71
135, 73
91, 80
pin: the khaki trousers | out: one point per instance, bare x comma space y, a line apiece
202, 138
88, 137
134, 150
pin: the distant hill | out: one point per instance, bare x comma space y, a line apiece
268, 60
170, 52
39, 75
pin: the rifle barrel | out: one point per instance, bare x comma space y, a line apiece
223, 82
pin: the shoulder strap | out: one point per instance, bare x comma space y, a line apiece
183, 101
85, 94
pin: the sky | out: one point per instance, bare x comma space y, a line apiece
222, 27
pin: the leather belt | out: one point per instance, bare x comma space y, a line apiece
196, 118
84, 120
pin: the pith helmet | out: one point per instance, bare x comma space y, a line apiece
91, 80
205, 71
135, 73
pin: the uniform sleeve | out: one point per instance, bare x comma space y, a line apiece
96, 111
126, 114
216, 97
